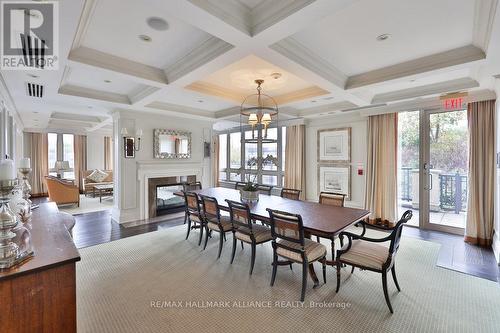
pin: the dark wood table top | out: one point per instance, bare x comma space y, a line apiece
317, 218
51, 242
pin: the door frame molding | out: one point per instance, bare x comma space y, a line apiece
424, 156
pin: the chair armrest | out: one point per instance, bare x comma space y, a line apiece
350, 237
376, 226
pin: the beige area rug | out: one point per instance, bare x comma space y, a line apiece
158, 282
88, 205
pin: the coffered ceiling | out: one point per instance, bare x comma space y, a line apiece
199, 58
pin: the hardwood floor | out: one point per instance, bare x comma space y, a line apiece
97, 228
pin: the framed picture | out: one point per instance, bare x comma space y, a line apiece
334, 145
335, 179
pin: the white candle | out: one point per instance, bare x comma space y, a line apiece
7, 170
25, 163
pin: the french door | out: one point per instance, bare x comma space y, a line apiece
433, 168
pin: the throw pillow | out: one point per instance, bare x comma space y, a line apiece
97, 176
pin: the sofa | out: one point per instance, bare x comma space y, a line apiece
88, 184
62, 192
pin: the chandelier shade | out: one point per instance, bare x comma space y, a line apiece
258, 111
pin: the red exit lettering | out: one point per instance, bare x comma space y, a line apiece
453, 103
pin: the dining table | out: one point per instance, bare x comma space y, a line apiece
321, 220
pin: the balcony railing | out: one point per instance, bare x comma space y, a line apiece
452, 195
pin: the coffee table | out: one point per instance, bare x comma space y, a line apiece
106, 189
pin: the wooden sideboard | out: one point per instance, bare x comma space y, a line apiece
40, 294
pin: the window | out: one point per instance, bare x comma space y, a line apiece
222, 156
52, 141
61, 148
270, 157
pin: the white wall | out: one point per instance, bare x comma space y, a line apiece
95, 150
358, 126
127, 205
496, 240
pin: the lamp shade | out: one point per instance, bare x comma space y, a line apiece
252, 119
61, 165
124, 131
138, 133
266, 119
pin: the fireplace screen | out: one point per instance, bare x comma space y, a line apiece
166, 201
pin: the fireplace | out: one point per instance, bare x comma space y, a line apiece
162, 199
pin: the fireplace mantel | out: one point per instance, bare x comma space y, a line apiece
157, 169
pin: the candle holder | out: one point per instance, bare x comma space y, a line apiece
26, 188
9, 250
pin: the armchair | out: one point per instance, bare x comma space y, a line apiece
366, 253
62, 192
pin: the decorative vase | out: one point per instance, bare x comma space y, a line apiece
249, 196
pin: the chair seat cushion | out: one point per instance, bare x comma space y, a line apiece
261, 234
224, 221
194, 218
367, 254
314, 250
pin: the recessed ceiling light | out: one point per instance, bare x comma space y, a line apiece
35, 111
157, 23
328, 98
313, 101
275, 75
107, 81
89, 106
33, 76
383, 37
413, 80
145, 38
200, 101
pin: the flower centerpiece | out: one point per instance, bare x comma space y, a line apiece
250, 191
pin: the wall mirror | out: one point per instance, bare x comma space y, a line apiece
172, 144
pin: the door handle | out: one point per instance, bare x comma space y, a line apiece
431, 182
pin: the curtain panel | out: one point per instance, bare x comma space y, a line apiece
480, 202
39, 156
381, 169
108, 153
215, 160
80, 150
295, 159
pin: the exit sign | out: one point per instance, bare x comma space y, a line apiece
453, 103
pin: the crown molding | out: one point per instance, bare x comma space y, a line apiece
143, 93
180, 110
292, 49
436, 61
299, 95
132, 70
84, 22
210, 49
215, 90
231, 12
429, 89
268, 13
484, 17
333, 107
72, 90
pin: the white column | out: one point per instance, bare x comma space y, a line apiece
124, 174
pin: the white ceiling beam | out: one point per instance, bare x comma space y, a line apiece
484, 16
426, 90
458, 56
116, 99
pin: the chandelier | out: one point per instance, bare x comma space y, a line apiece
258, 111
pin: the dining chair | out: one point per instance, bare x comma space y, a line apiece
190, 187
265, 189
194, 214
331, 199
289, 243
245, 230
215, 221
366, 253
290, 193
